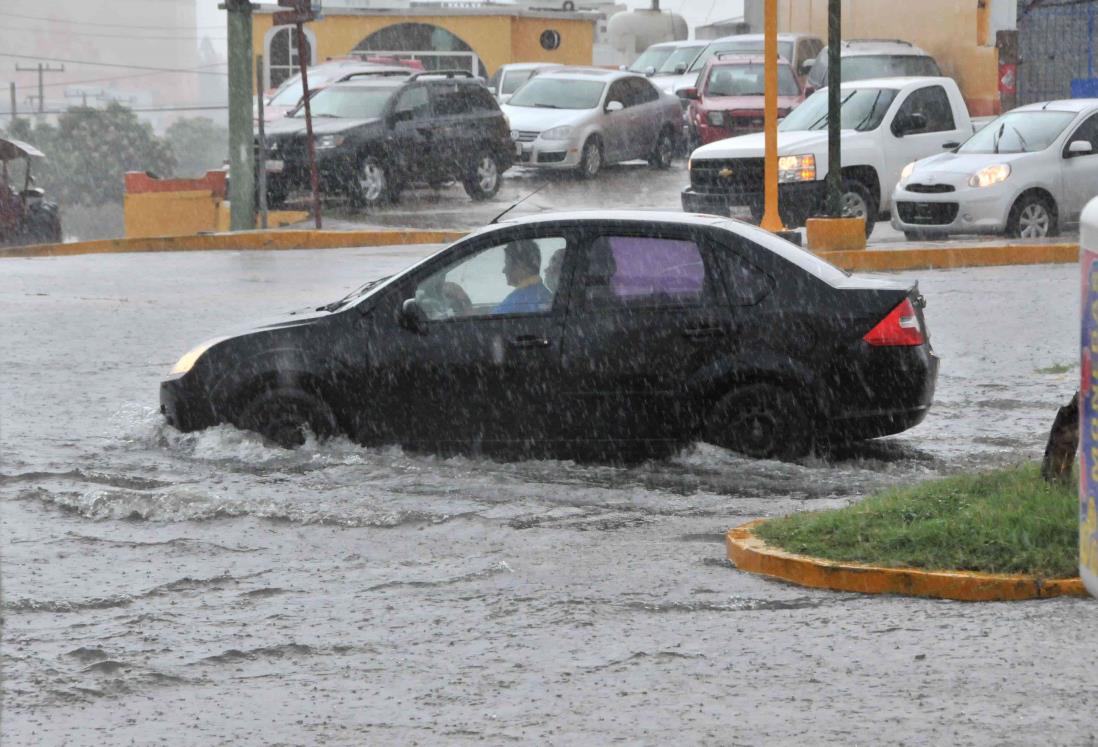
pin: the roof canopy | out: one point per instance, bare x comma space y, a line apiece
13, 149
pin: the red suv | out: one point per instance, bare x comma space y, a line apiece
728, 99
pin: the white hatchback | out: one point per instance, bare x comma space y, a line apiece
1025, 174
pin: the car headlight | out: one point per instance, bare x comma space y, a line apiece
990, 175
557, 133
325, 142
186, 363
797, 168
715, 119
907, 171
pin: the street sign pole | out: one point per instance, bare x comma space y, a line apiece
834, 115
314, 178
261, 159
771, 220
241, 137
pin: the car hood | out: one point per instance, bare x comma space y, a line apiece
533, 118
965, 163
752, 146
321, 126
672, 83
751, 103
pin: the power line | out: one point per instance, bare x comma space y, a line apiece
111, 25
118, 36
110, 64
119, 77
92, 111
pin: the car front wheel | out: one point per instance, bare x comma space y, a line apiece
286, 417
1032, 217
858, 202
763, 421
483, 181
371, 183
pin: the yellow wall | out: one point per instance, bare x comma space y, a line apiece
169, 213
497, 39
949, 30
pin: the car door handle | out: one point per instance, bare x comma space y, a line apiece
528, 341
703, 332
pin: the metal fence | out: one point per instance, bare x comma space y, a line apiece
1056, 44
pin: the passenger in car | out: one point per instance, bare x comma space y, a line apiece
522, 268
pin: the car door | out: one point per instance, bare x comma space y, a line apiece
646, 318
616, 130
1080, 170
910, 144
646, 117
411, 137
477, 367
452, 129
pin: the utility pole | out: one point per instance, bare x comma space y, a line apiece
42, 70
261, 166
834, 115
242, 170
14, 108
302, 12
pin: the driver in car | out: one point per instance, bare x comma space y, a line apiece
522, 268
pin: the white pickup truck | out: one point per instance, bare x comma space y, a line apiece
886, 124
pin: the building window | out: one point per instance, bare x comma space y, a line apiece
283, 58
550, 39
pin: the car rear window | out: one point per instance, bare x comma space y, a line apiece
645, 270
739, 46
748, 80
515, 78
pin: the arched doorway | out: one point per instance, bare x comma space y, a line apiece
434, 46
283, 59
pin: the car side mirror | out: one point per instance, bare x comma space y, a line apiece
806, 66
650, 71
951, 145
492, 90
680, 68
412, 318
614, 106
687, 93
1080, 148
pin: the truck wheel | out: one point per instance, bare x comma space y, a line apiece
285, 416
664, 152
761, 421
370, 185
483, 179
1032, 217
858, 202
591, 158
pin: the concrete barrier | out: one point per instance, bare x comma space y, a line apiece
893, 260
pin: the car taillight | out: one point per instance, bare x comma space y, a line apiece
900, 327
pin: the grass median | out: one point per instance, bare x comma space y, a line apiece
1006, 521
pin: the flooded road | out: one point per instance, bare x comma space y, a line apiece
162, 588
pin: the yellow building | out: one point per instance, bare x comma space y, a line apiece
954, 32
478, 38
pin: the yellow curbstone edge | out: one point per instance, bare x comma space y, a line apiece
239, 241
751, 554
953, 257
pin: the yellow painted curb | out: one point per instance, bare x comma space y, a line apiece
239, 241
953, 257
835, 234
751, 554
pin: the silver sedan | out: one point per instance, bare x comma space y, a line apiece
583, 118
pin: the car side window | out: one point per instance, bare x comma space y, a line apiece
515, 277
1087, 131
413, 104
452, 99
643, 91
744, 284
618, 92
933, 103
630, 271
480, 100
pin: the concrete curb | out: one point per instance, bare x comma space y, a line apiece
239, 241
893, 260
751, 554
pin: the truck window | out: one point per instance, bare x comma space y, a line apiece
933, 103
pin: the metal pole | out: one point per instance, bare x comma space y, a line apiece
303, 62
771, 220
261, 165
834, 115
241, 137
14, 108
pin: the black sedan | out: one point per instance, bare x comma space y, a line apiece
583, 334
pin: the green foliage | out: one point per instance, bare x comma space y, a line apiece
89, 150
1056, 368
199, 145
1009, 521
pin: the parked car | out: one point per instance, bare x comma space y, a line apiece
375, 136
26, 216
665, 62
873, 58
655, 329
509, 78
886, 124
729, 98
1026, 174
287, 97
583, 118
799, 49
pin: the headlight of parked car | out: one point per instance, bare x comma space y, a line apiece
325, 142
186, 363
557, 133
715, 119
797, 168
990, 175
907, 171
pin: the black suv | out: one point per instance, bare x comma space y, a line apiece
376, 134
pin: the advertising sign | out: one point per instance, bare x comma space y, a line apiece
1088, 402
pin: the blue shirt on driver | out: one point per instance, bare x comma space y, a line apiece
529, 299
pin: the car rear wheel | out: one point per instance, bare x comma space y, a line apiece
858, 202
591, 159
484, 178
1032, 217
761, 421
664, 152
371, 183
285, 417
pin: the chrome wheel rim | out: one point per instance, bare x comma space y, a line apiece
592, 159
665, 149
372, 181
854, 205
487, 173
1034, 221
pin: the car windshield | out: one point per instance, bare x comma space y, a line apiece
1019, 132
515, 78
864, 67
348, 102
748, 80
681, 56
559, 93
862, 110
739, 46
653, 57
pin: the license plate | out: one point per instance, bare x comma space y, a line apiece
275, 167
742, 212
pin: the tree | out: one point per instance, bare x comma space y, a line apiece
199, 145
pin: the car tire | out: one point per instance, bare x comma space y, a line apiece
283, 416
483, 180
1032, 217
858, 201
370, 185
664, 152
762, 421
590, 158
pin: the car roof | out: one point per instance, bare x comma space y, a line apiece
370, 82
597, 73
528, 65
730, 60
899, 82
867, 47
762, 37
683, 43
605, 216
381, 70
1064, 105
